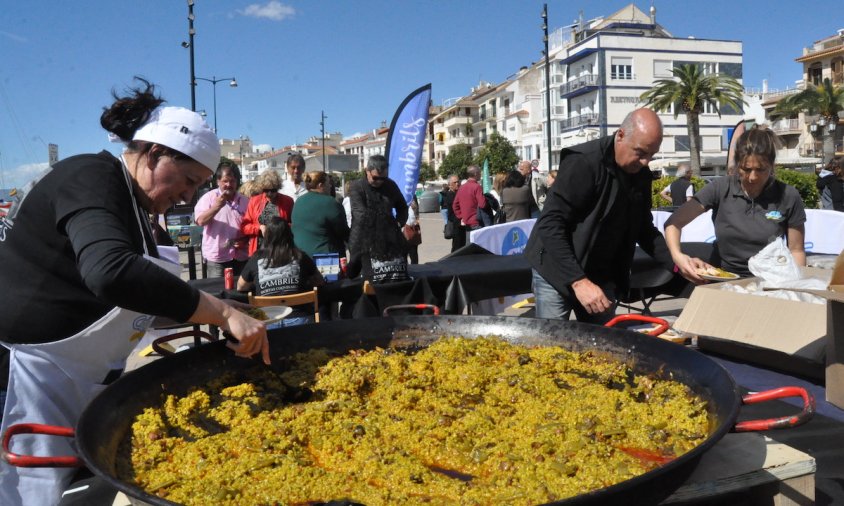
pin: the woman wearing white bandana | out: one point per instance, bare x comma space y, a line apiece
87, 274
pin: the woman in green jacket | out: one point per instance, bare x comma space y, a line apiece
319, 221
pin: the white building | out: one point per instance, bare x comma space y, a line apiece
602, 66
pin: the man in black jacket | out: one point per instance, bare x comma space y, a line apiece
595, 213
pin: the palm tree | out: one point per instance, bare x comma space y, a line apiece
689, 92
825, 100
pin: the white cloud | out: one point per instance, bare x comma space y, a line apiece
273, 10
22, 174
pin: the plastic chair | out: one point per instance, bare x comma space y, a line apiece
294, 299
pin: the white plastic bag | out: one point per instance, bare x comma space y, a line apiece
775, 264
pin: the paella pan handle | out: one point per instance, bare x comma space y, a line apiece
784, 422
663, 325
31, 461
156, 345
421, 307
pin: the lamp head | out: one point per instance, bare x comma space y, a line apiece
185, 44
233, 83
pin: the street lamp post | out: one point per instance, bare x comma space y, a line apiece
547, 81
214, 82
322, 127
189, 45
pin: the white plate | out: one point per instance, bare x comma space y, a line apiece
275, 313
709, 277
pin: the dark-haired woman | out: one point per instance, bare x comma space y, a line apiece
319, 221
516, 199
750, 208
86, 272
280, 268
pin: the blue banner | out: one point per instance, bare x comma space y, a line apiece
406, 140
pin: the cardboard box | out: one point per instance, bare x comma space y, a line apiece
791, 328
797, 337
835, 333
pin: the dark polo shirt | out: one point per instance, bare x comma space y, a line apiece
743, 226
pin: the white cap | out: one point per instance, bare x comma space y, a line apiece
183, 130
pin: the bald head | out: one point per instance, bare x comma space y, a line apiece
638, 140
525, 167
473, 172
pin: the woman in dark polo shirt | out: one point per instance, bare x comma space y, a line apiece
750, 209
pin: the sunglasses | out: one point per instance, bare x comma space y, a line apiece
378, 178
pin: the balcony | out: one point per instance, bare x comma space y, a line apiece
580, 85
456, 120
558, 79
812, 149
578, 121
786, 126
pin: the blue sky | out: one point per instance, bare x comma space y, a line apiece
356, 60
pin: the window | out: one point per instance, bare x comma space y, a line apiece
662, 68
815, 74
621, 68
708, 67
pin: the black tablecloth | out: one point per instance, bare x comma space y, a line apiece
452, 283
470, 275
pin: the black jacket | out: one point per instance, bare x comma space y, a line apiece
575, 212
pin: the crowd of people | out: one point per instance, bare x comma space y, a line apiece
86, 256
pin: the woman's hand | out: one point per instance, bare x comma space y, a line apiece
688, 267
251, 334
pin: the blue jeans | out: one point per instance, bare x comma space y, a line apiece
444, 214
551, 304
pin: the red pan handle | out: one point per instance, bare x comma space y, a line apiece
663, 325
31, 461
785, 422
422, 307
156, 345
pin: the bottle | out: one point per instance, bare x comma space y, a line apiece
228, 276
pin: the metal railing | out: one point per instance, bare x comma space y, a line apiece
581, 120
622, 76
786, 125
580, 82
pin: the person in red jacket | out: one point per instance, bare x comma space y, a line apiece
468, 200
270, 202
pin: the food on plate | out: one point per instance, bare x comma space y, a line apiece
463, 421
716, 272
254, 312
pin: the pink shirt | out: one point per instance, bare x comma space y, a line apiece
223, 228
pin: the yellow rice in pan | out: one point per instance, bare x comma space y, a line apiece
464, 421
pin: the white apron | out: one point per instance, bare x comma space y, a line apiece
51, 383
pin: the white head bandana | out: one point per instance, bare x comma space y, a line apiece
183, 130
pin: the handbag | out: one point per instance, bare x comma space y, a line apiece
413, 234
449, 230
